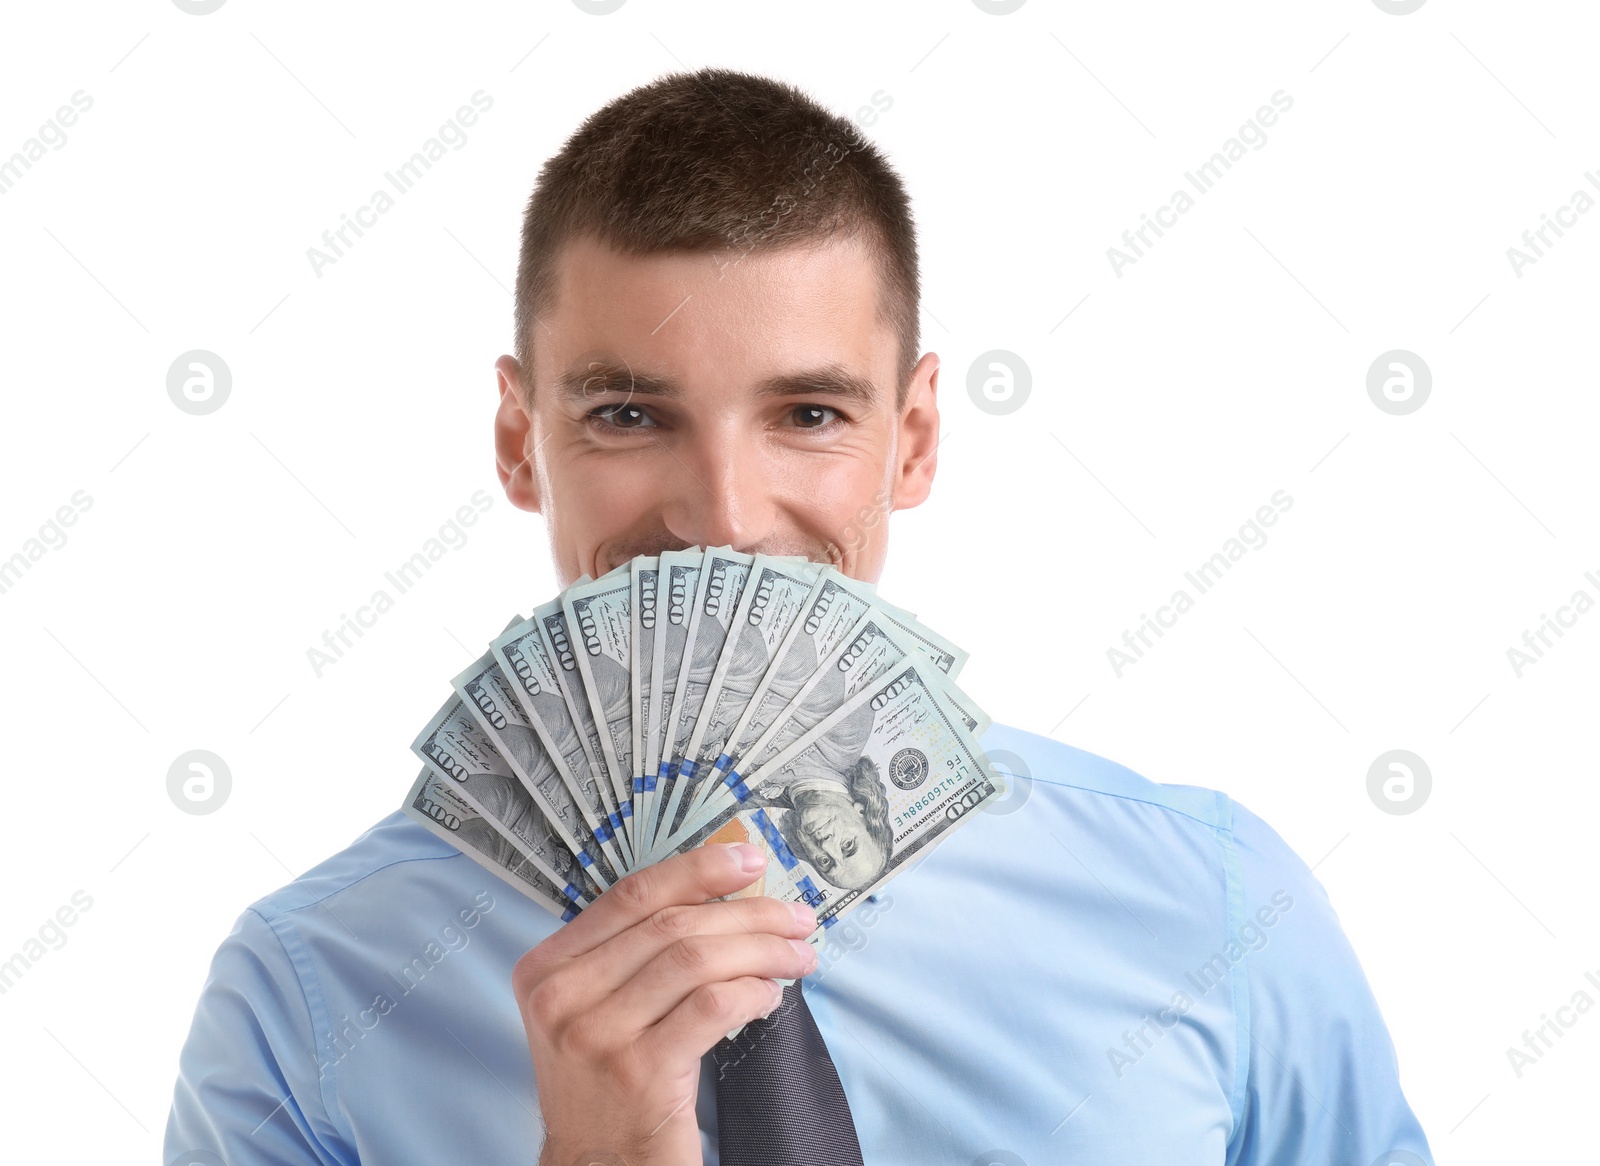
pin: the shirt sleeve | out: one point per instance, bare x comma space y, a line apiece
1320, 1081
249, 1088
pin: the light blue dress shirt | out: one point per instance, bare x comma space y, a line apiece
1113, 973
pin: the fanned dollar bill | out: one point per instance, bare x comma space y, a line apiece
525, 662
442, 811
490, 698
601, 630
722, 582
677, 590
869, 790
556, 636
454, 745
702, 696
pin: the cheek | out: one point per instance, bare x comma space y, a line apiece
845, 499
595, 496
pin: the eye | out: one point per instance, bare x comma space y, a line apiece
813, 416
848, 848
621, 417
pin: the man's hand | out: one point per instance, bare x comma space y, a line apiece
622, 1002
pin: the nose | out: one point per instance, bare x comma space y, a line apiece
717, 494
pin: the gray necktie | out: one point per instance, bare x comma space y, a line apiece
779, 1101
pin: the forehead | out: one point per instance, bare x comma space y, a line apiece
719, 318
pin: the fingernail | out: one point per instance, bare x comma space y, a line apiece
777, 998
805, 951
803, 914
749, 858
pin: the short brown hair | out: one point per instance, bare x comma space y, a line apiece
725, 161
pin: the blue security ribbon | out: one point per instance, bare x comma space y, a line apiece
788, 861
736, 785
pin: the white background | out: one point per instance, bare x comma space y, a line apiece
1167, 404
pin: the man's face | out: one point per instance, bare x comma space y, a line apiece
685, 400
834, 839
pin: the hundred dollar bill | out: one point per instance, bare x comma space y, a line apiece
866, 792
454, 744
875, 646
677, 588
556, 636
642, 595
721, 585
435, 805
806, 683
525, 661
600, 621
490, 698
769, 608
836, 606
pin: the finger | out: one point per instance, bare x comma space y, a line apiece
696, 876
688, 965
709, 1014
606, 968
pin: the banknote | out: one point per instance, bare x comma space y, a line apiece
434, 803
454, 744
775, 594
601, 626
875, 646
677, 593
525, 663
644, 575
879, 638
869, 790
491, 700
831, 611
556, 636
721, 586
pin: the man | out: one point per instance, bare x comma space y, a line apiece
717, 344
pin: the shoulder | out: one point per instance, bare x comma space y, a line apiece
1269, 942
1247, 852
1032, 760
394, 849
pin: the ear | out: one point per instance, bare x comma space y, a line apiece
513, 438
918, 445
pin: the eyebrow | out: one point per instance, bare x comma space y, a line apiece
603, 376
